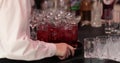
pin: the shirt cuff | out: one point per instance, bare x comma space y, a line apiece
52, 48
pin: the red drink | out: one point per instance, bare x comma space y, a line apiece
43, 32
54, 34
71, 35
107, 9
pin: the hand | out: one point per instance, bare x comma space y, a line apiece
64, 50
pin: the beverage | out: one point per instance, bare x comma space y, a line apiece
61, 26
107, 14
75, 6
43, 33
70, 34
55, 34
85, 9
107, 9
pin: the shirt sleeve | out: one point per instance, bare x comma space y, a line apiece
27, 49
15, 42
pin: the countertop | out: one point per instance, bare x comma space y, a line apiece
84, 32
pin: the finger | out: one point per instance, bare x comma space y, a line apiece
65, 54
72, 50
68, 52
61, 57
64, 57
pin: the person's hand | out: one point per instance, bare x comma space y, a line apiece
64, 50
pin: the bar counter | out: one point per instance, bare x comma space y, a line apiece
84, 32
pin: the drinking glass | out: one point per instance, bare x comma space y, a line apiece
33, 31
43, 28
57, 26
71, 29
63, 4
113, 46
43, 32
47, 4
116, 21
108, 26
33, 24
90, 48
102, 47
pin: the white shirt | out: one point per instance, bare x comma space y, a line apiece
15, 42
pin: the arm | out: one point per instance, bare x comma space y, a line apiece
15, 42
26, 49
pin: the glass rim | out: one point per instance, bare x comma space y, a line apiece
89, 38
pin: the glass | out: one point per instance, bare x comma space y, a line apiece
114, 47
116, 20
44, 27
70, 34
90, 48
43, 33
102, 47
85, 9
113, 26
63, 4
96, 14
108, 26
33, 24
47, 4
107, 14
57, 26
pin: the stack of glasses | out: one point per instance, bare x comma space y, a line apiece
55, 26
102, 47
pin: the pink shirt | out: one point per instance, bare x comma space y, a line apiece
15, 42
